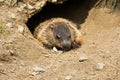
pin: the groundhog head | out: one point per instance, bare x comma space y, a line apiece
61, 35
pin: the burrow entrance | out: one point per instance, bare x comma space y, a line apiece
74, 10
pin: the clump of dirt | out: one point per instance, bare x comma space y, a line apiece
23, 58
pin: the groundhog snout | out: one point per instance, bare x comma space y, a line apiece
66, 45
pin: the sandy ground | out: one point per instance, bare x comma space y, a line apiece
22, 58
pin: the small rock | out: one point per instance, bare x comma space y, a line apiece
38, 69
68, 77
29, 6
47, 56
83, 58
13, 16
55, 49
99, 66
9, 24
58, 51
20, 28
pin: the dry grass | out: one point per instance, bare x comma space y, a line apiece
113, 4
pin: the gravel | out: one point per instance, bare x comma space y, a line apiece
56, 50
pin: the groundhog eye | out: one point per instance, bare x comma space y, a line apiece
57, 36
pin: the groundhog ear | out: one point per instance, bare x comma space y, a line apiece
51, 26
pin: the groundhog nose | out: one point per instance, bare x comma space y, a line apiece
66, 45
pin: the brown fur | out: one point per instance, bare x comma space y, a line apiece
47, 37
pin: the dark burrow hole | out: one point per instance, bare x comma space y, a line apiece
73, 10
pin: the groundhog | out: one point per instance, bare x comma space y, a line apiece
60, 33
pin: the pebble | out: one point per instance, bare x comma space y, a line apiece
47, 56
55, 49
68, 77
83, 56
99, 66
9, 24
20, 28
38, 69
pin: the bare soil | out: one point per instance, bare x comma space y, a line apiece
20, 53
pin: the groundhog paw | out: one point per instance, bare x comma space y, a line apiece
79, 40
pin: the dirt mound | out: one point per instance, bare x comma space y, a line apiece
23, 58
